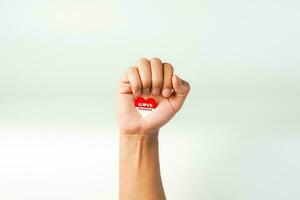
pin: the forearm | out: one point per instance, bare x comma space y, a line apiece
139, 167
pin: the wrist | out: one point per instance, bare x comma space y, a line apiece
137, 146
140, 133
138, 137
132, 142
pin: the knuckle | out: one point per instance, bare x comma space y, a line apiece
155, 59
143, 67
168, 67
142, 61
131, 69
188, 86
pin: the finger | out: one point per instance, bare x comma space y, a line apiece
124, 88
181, 90
145, 74
134, 80
167, 82
157, 75
124, 77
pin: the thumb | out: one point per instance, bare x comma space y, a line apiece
181, 89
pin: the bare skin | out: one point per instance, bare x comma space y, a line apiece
139, 158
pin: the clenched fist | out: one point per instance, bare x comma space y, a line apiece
149, 78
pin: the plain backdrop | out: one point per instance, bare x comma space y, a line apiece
237, 137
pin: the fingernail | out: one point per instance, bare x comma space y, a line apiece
166, 92
155, 91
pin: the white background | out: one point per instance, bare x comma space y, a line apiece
237, 137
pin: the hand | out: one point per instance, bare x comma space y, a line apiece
149, 78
